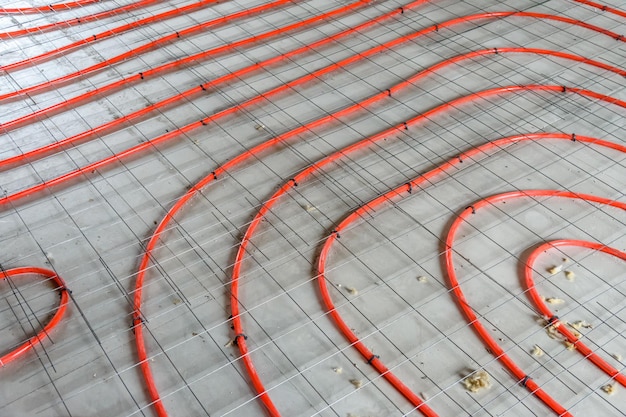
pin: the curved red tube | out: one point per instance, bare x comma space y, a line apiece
51, 7
602, 7
103, 35
202, 55
427, 179
54, 321
545, 310
77, 20
78, 138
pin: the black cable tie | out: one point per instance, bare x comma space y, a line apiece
525, 380
410, 187
406, 127
177, 34
215, 177
573, 137
202, 87
495, 50
473, 209
564, 89
235, 340
136, 321
77, 20
604, 8
370, 360
620, 38
401, 10
436, 28
552, 319
388, 92
94, 37
337, 233
203, 122
460, 159
67, 290
141, 75
295, 183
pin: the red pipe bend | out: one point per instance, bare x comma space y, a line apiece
432, 177
545, 310
602, 7
52, 323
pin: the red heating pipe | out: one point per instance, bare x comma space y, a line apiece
303, 175
545, 310
50, 7
77, 20
602, 7
59, 145
151, 45
421, 182
200, 56
103, 35
52, 323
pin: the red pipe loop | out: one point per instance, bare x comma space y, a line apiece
52, 323
545, 310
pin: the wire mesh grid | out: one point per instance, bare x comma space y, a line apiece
313, 208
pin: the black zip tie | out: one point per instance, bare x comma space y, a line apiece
619, 38
495, 50
235, 340
552, 319
64, 289
388, 92
473, 209
406, 127
370, 360
134, 323
460, 159
215, 177
94, 37
525, 380
77, 20
202, 87
402, 10
564, 89
295, 183
141, 75
337, 233
436, 28
573, 137
604, 8
203, 122
177, 34
410, 187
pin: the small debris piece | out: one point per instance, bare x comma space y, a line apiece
176, 301
229, 344
609, 389
352, 290
555, 269
424, 396
537, 351
617, 356
553, 332
194, 334
357, 383
477, 381
569, 345
421, 278
309, 208
565, 260
259, 126
570, 275
337, 370
554, 300
578, 324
